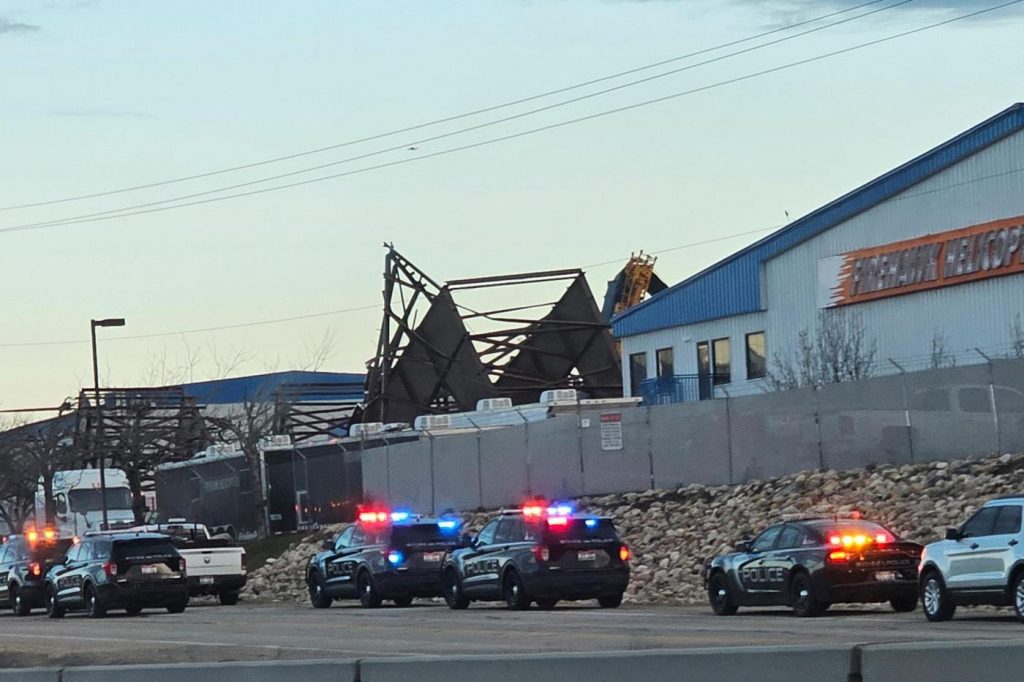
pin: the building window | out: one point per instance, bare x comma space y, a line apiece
637, 372
704, 370
722, 359
757, 366
666, 368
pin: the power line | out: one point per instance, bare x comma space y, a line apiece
461, 131
435, 122
329, 313
128, 212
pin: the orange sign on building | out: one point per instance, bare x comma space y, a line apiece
937, 260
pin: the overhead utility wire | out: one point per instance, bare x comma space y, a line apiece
336, 312
140, 209
439, 121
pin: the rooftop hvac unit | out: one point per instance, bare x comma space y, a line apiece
560, 395
281, 440
427, 422
396, 426
364, 430
491, 404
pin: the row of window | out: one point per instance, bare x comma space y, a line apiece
714, 360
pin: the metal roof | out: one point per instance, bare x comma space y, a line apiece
239, 389
733, 287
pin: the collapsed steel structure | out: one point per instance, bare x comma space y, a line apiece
437, 364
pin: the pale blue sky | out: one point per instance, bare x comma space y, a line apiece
105, 94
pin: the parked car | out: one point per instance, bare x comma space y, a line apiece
215, 564
810, 564
541, 553
24, 562
384, 555
112, 570
981, 562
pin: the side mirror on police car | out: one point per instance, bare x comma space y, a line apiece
952, 534
743, 546
327, 544
467, 539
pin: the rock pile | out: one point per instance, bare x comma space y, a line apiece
672, 531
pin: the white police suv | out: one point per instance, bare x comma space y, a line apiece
981, 562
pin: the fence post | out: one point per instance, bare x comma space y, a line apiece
479, 463
992, 398
728, 427
906, 408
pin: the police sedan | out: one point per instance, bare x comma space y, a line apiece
810, 564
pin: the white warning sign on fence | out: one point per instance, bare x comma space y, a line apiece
611, 431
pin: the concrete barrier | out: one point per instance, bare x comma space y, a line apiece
940, 661
248, 671
764, 664
31, 675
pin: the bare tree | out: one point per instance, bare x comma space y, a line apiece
837, 352
1017, 332
30, 454
248, 425
226, 364
941, 357
318, 351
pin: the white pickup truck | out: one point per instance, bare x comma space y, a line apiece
215, 565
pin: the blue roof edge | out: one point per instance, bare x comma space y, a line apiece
949, 153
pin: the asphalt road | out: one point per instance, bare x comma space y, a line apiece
276, 631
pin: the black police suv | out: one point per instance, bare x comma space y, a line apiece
541, 555
118, 570
812, 563
24, 561
384, 555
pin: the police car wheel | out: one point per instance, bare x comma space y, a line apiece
515, 593
935, 601
718, 594
610, 601
453, 596
1018, 596
368, 595
19, 605
52, 608
94, 607
546, 604
178, 607
805, 604
318, 596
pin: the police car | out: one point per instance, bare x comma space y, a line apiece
809, 564
392, 555
24, 561
540, 553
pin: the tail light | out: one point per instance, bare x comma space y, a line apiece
182, 564
541, 553
837, 557
624, 553
245, 562
35, 568
110, 568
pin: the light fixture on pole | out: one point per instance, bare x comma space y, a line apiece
109, 322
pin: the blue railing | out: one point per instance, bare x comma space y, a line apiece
679, 388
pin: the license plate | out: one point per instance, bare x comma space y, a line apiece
885, 576
150, 569
587, 556
206, 580
433, 557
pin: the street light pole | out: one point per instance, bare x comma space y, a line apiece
110, 322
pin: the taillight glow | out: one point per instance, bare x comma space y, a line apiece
837, 556
33, 536
541, 553
835, 540
35, 568
374, 516
110, 568
624, 553
558, 521
49, 534
533, 511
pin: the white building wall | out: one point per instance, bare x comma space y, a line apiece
977, 314
979, 189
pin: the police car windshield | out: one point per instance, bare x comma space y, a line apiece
583, 529
422, 533
45, 551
